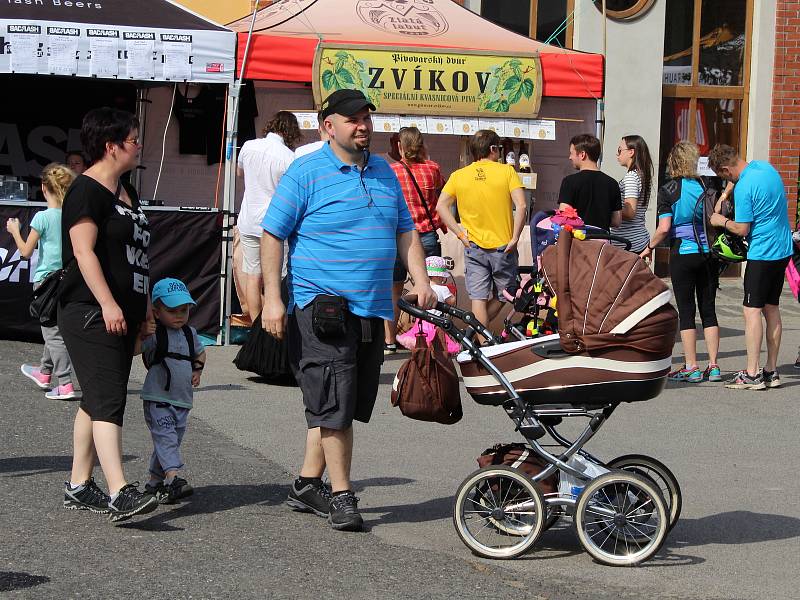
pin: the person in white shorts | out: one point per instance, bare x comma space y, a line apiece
262, 162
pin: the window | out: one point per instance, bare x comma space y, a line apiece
706, 73
540, 19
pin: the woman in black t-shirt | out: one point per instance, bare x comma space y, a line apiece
104, 307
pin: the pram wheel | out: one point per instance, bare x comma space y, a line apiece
498, 512
621, 518
658, 472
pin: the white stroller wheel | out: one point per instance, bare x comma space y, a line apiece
498, 512
621, 518
658, 472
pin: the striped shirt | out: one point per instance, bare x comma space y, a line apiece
634, 230
430, 181
341, 223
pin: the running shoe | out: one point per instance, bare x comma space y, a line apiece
312, 497
771, 379
36, 376
62, 392
86, 497
344, 514
743, 381
130, 501
390, 349
687, 374
713, 373
170, 494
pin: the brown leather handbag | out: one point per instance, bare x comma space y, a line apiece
426, 386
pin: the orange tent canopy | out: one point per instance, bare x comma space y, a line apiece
286, 35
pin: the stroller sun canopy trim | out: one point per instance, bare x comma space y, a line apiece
644, 311
571, 362
492, 351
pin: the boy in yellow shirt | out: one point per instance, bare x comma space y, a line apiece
484, 193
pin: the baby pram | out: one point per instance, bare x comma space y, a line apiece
614, 345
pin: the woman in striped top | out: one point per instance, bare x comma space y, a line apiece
633, 154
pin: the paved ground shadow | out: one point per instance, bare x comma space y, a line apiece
733, 528
430, 510
360, 486
10, 580
210, 499
25, 466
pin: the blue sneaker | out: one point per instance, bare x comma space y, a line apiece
688, 374
713, 373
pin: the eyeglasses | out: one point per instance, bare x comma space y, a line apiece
134, 141
621, 150
496, 147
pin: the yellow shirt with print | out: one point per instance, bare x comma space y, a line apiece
483, 195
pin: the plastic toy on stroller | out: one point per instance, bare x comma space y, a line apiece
616, 330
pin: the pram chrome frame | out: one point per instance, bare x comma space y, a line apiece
533, 422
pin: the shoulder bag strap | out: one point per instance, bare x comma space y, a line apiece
421, 196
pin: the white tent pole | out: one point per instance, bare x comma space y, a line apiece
229, 193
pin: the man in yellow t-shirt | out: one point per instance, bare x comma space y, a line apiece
484, 193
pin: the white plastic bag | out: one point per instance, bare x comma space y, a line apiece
571, 486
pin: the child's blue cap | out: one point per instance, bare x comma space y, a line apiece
172, 292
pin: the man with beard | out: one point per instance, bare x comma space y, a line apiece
344, 216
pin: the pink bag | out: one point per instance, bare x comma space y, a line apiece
792, 275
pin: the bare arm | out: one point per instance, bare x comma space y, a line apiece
413, 256
518, 197
661, 233
197, 373
25, 247
740, 229
616, 218
83, 236
445, 209
273, 315
629, 206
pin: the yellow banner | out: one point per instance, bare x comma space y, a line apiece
432, 82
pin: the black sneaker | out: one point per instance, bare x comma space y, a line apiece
344, 514
90, 498
155, 490
130, 501
170, 494
772, 379
312, 497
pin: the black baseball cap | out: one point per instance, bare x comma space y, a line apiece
345, 102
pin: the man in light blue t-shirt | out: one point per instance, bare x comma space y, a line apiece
344, 216
761, 215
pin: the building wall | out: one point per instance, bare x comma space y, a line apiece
634, 65
785, 125
219, 11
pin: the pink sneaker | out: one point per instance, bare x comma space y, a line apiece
35, 375
62, 392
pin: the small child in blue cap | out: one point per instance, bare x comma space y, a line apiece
175, 358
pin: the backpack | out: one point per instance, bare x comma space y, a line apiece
723, 245
426, 386
162, 351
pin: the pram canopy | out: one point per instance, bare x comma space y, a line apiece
615, 337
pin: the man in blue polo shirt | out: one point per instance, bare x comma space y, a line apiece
760, 206
344, 216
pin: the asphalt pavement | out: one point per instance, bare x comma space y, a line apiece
734, 453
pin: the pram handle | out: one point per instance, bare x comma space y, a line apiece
408, 303
602, 235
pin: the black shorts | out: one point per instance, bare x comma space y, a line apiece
102, 361
763, 282
339, 377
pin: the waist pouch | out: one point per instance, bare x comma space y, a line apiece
687, 232
329, 316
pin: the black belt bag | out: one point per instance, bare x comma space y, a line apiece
329, 316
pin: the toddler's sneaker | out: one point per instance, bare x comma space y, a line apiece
771, 379
743, 381
713, 373
130, 501
312, 497
170, 494
86, 497
36, 376
62, 392
344, 514
689, 374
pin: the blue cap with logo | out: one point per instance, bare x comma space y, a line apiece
172, 292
